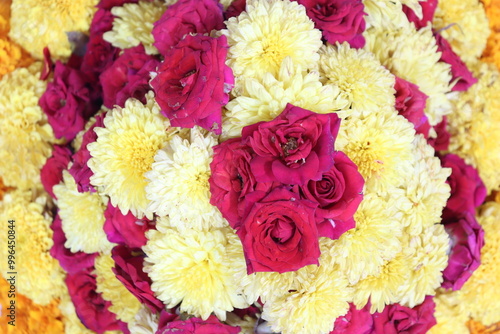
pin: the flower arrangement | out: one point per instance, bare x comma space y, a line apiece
258, 166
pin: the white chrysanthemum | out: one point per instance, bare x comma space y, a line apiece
412, 55
145, 322
450, 314
388, 13
380, 145
362, 80
318, 296
123, 303
196, 269
133, 25
124, 152
362, 250
263, 99
266, 33
26, 136
40, 277
425, 188
425, 257
464, 24
82, 217
178, 182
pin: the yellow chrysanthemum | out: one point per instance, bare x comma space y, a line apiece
263, 99
246, 324
82, 217
178, 182
450, 315
25, 143
388, 14
412, 55
320, 295
474, 125
145, 322
124, 152
480, 293
133, 25
35, 24
362, 80
380, 145
464, 24
425, 189
39, 276
266, 33
29, 317
123, 303
362, 250
196, 269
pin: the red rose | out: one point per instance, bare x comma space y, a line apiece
278, 232
67, 102
410, 103
99, 56
90, 307
467, 189
69, 261
128, 270
235, 9
125, 229
108, 4
442, 140
231, 179
355, 321
80, 170
395, 319
461, 75
293, 148
127, 77
51, 173
197, 326
338, 195
428, 9
186, 17
339, 20
193, 82
467, 239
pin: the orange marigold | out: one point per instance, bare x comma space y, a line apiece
12, 56
492, 51
30, 317
4, 16
478, 328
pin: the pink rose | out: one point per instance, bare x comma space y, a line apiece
69, 261
129, 270
467, 239
128, 77
410, 103
125, 229
294, 148
67, 102
90, 307
338, 195
467, 189
231, 179
396, 319
101, 22
442, 141
80, 170
461, 75
99, 56
278, 232
428, 9
235, 9
354, 322
339, 20
108, 4
193, 82
186, 17
197, 326
51, 173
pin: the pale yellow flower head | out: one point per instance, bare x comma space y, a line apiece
27, 138
362, 80
133, 25
267, 32
145, 322
40, 277
263, 99
35, 24
123, 303
124, 152
450, 315
388, 14
196, 269
82, 217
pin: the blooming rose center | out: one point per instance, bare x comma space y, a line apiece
290, 145
282, 231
